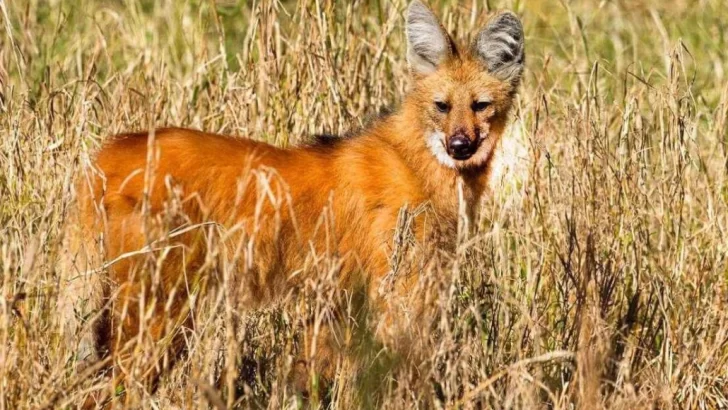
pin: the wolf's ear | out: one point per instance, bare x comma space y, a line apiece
500, 46
428, 45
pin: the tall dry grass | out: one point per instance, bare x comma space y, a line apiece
597, 276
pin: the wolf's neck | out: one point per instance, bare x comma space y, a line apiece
445, 187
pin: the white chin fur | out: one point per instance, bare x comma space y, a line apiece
436, 142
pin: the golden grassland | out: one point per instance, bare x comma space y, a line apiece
598, 274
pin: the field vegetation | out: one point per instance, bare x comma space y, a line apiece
598, 273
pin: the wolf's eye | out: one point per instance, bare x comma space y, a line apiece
479, 106
442, 106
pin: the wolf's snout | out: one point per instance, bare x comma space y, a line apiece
460, 147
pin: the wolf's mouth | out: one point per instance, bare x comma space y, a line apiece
461, 148
462, 156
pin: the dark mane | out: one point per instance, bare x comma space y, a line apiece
327, 140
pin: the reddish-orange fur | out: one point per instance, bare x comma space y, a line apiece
277, 197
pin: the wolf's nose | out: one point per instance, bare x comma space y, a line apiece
460, 147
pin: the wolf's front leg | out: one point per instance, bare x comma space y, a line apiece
406, 293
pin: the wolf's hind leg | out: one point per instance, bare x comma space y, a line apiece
80, 297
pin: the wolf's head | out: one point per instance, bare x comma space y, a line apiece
463, 94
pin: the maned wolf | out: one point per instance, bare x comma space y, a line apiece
138, 241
